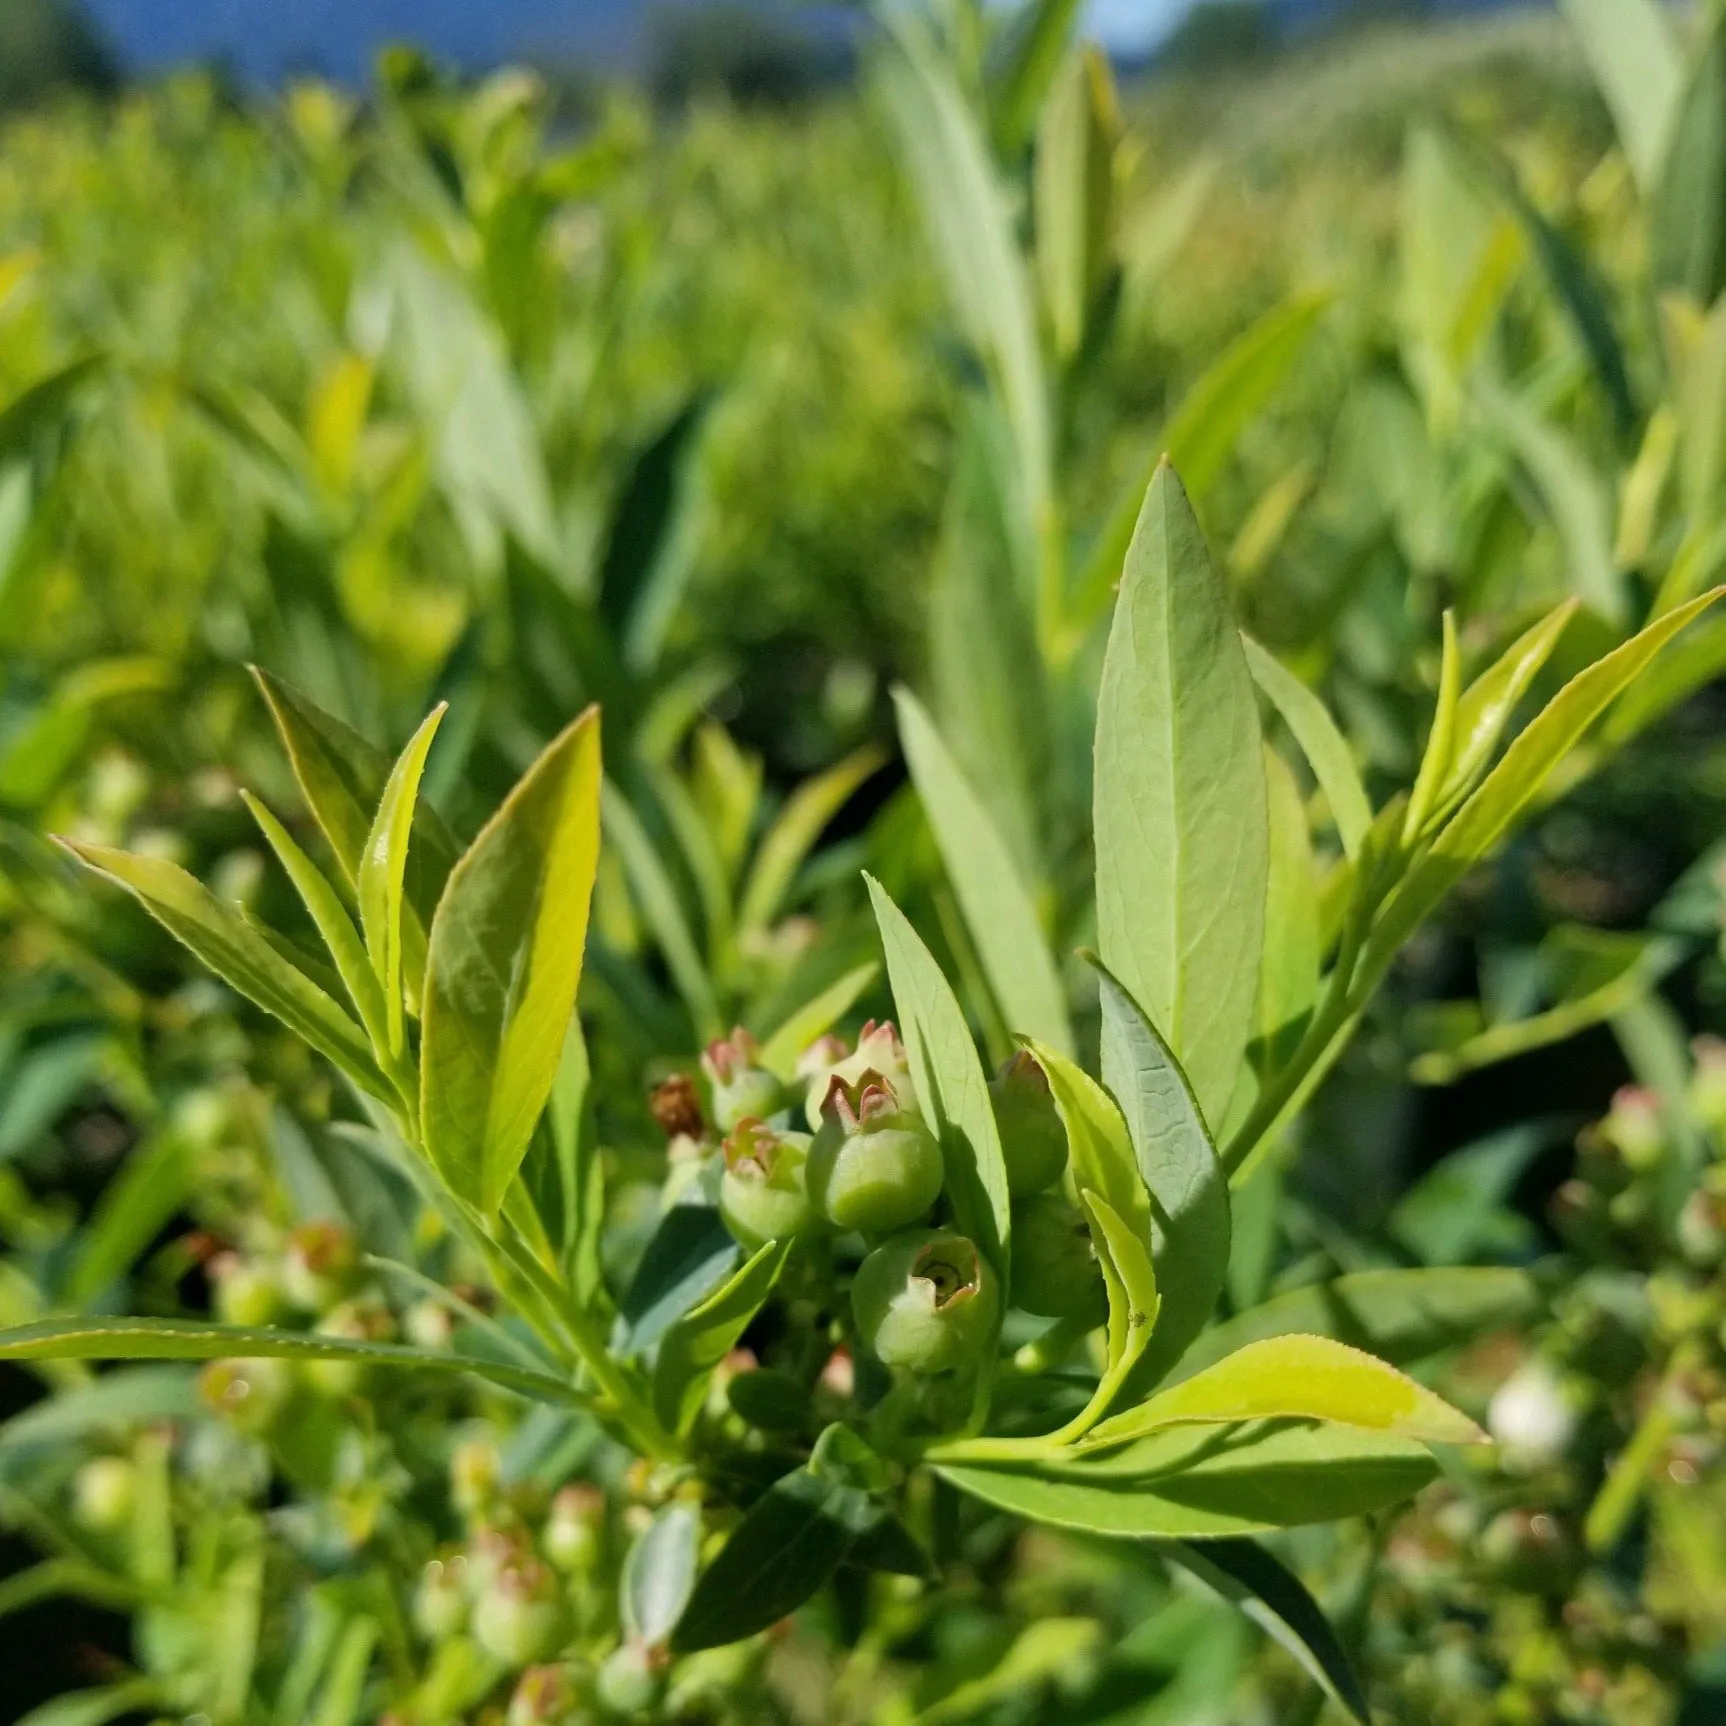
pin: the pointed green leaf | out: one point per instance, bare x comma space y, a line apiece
1181, 826
997, 904
1435, 762
815, 1018
383, 872
1324, 747
1178, 1162
659, 1574
1276, 1600
1687, 209
1288, 973
1203, 1483
502, 968
1073, 190
1297, 1378
224, 941
185, 1339
1630, 51
952, 1090
1132, 1282
341, 939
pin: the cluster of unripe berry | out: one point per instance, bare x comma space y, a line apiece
845, 1153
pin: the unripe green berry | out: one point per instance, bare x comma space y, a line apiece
631, 1681
574, 1536
521, 1617
246, 1292
1033, 1139
1055, 1273
475, 1468
874, 1165
763, 1194
249, 1394
319, 1266
925, 1302
879, 1051
440, 1603
102, 1493
742, 1087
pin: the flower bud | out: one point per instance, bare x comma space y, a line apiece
1033, 1139
249, 1394
521, 1617
574, 1535
246, 1292
1634, 1129
318, 1268
632, 1680
925, 1302
742, 1087
763, 1195
874, 1165
428, 1324
878, 1051
544, 1696
440, 1600
676, 1107
102, 1493
1701, 1229
1055, 1272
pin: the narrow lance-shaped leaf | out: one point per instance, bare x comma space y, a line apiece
240, 956
341, 939
1440, 743
502, 968
997, 904
1181, 826
1189, 1192
951, 1087
1288, 975
383, 872
183, 1339
1276, 1600
1637, 65
1326, 750
1297, 1378
1131, 1279
815, 1018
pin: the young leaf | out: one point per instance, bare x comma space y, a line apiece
997, 904
659, 1574
1275, 1599
1630, 51
951, 1088
1178, 1162
1132, 1282
1400, 1316
231, 948
1073, 187
1288, 973
341, 939
1180, 800
693, 1346
1202, 1483
502, 968
1491, 699
1440, 744
1687, 209
383, 871
186, 1339
1321, 743
1297, 1378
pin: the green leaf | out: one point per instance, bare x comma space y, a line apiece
1401, 1316
1132, 1281
1687, 210
1327, 753
223, 940
815, 1018
1636, 63
1073, 191
1297, 1378
1276, 1600
783, 1551
1178, 1162
1517, 780
793, 834
383, 873
693, 1346
96, 1707
502, 968
1046, 1650
1204, 1483
341, 939
152, 1184
659, 1574
126, 1397
186, 1339
1435, 762
1288, 972
1459, 1206
952, 1090
1489, 702
1181, 825
690, 1255
997, 904
1041, 34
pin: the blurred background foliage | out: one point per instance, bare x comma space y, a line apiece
556, 385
